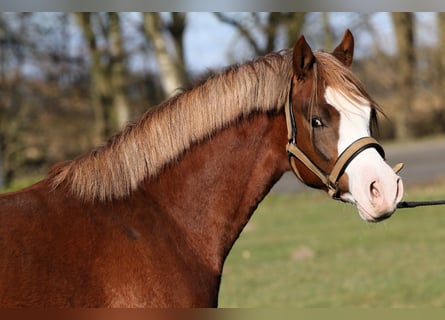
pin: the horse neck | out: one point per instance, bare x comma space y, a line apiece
212, 191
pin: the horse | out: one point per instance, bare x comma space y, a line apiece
148, 218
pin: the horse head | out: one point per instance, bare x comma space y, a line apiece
330, 118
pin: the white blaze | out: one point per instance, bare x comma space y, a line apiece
373, 186
354, 118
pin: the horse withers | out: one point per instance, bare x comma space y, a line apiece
148, 219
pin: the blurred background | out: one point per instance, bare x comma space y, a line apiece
70, 80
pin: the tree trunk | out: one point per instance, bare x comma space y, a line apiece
294, 23
170, 68
120, 108
441, 75
98, 82
107, 75
327, 30
2, 108
11, 101
177, 28
404, 31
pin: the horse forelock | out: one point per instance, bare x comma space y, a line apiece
142, 149
331, 72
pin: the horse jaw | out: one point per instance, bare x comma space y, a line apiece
373, 186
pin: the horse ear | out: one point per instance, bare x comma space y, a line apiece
345, 50
303, 58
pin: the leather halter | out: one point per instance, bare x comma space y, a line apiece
343, 160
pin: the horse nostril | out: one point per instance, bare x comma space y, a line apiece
373, 189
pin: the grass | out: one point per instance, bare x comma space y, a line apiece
21, 183
306, 250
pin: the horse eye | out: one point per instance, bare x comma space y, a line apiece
316, 122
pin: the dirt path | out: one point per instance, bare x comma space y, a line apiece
424, 163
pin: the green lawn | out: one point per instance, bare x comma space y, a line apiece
306, 250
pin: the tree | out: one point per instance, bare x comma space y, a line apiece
271, 26
170, 62
441, 75
107, 71
12, 57
406, 64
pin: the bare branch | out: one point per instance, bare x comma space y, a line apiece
241, 28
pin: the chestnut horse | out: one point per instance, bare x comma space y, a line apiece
147, 219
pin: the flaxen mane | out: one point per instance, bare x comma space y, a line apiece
163, 133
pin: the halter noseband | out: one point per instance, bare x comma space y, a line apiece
343, 160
